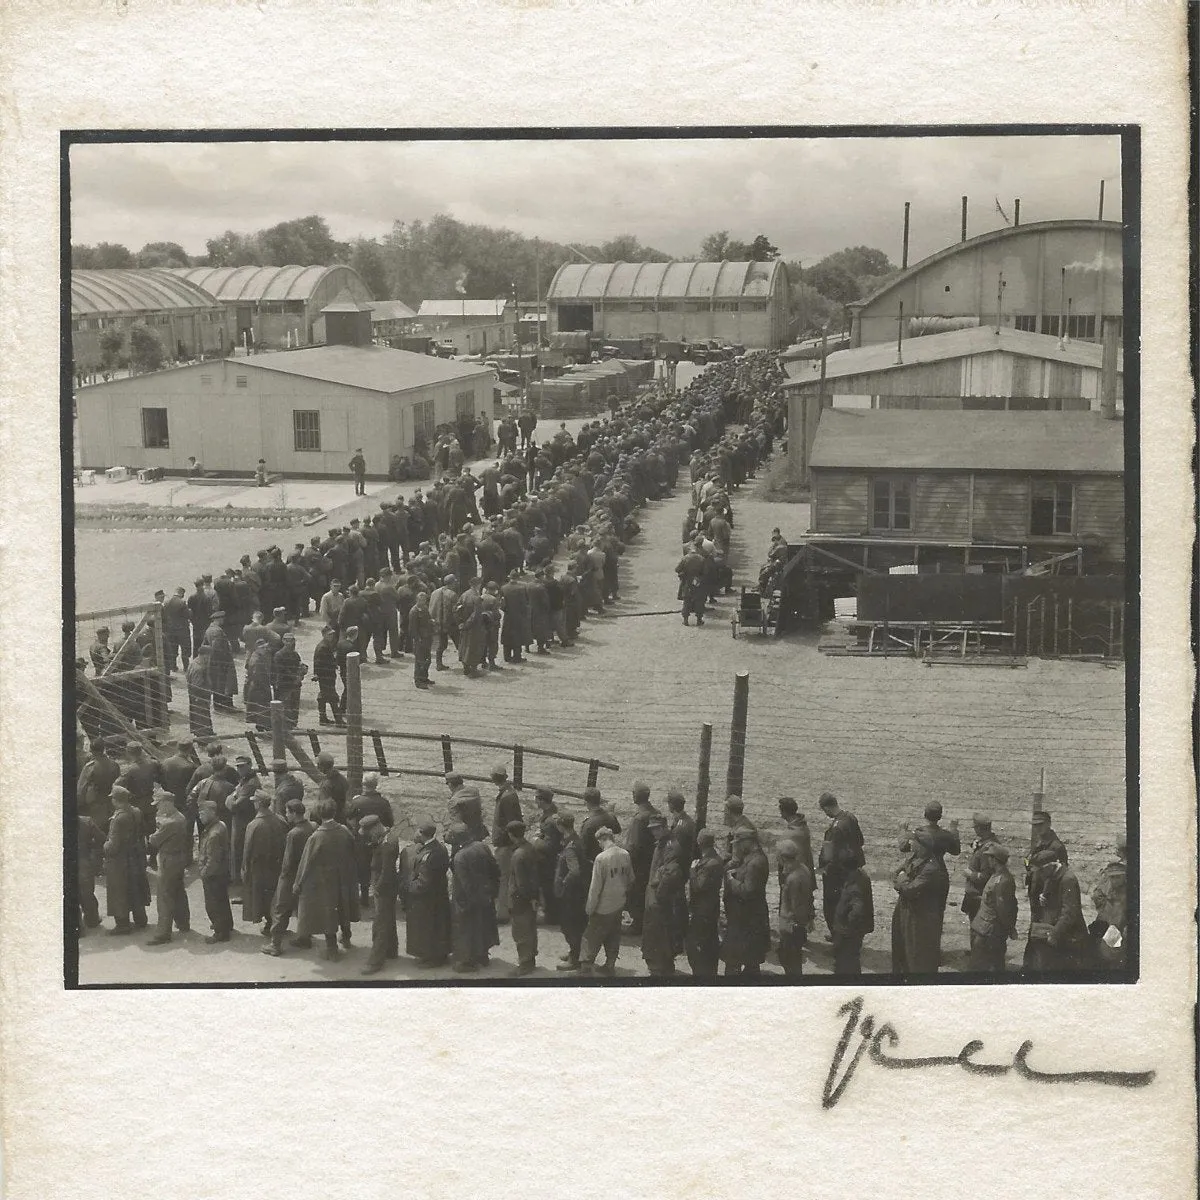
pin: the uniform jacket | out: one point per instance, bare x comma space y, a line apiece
213, 859
262, 858
326, 881
997, 915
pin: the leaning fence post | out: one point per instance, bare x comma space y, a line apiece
593, 772
737, 734
377, 741
252, 738
354, 729
702, 777
278, 731
518, 767
447, 754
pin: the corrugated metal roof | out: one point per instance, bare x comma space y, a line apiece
923, 439
375, 368
958, 343
458, 308
673, 281
391, 310
254, 284
983, 239
128, 291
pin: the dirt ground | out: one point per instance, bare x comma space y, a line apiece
884, 735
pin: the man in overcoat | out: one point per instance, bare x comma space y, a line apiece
326, 884
476, 883
125, 880
262, 858
300, 829
426, 897
173, 842
747, 923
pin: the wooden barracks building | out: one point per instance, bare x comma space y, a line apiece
305, 411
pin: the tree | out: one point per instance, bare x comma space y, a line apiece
860, 261
367, 259
106, 256
712, 249
163, 254
833, 281
112, 349
145, 349
761, 249
305, 242
234, 250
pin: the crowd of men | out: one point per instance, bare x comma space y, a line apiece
679, 891
470, 561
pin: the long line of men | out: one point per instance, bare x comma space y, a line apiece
681, 891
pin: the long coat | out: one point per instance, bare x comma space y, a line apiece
258, 686
472, 630
704, 908
427, 903
747, 922
125, 880
662, 934
293, 850
222, 674
262, 857
327, 881
539, 611
516, 630
917, 917
476, 877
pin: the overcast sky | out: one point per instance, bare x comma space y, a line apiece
809, 196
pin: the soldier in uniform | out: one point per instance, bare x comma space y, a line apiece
994, 920
300, 829
705, 880
1108, 897
172, 840
796, 887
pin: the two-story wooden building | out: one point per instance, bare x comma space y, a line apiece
971, 491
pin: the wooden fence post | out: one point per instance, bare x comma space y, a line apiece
278, 731
447, 753
737, 734
354, 727
518, 767
702, 777
593, 772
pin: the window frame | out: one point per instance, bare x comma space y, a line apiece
165, 442
305, 434
892, 483
1055, 501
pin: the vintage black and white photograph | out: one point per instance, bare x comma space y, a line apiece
655, 557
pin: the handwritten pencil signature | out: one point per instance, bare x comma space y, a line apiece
871, 1042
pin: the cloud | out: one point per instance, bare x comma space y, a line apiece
810, 196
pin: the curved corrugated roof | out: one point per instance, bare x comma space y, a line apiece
125, 291
673, 280
254, 284
982, 239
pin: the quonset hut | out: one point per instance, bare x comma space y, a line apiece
739, 302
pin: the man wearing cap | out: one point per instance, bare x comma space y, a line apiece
358, 468
705, 881
100, 652
797, 830
598, 817
515, 633
383, 850
368, 803
682, 828
662, 937
96, 781
796, 887
326, 885
524, 887
138, 778
641, 844
287, 677
1109, 899
938, 842
222, 674
212, 781
1045, 848
212, 863
262, 859
547, 842
300, 829
330, 608
735, 819
853, 919
994, 920
257, 693
333, 786
287, 787
88, 863
424, 892
608, 895
747, 923
240, 806
173, 843
125, 881
441, 612
177, 770
199, 606
325, 676
979, 865
841, 852
177, 630
476, 881
421, 636
466, 805
570, 891
506, 809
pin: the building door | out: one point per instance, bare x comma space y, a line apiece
245, 325
573, 317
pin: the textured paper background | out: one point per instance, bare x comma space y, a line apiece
561, 1093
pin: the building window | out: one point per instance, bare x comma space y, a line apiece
1052, 508
1077, 326
667, 306
306, 427
464, 404
242, 381
725, 306
695, 306
891, 504
1026, 323
754, 306
423, 422
154, 429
